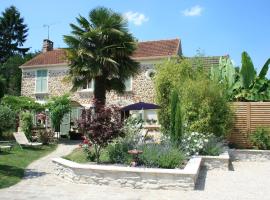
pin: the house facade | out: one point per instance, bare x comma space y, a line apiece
44, 75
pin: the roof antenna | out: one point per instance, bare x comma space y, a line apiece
48, 26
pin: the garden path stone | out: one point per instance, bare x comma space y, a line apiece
249, 180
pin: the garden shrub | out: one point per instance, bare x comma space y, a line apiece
204, 106
118, 150
193, 143
196, 143
260, 138
164, 155
45, 136
26, 123
213, 147
168, 76
7, 119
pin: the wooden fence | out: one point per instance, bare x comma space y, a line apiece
248, 116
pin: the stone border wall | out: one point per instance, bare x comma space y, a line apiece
137, 178
217, 162
249, 155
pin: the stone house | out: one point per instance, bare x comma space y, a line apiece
43, 76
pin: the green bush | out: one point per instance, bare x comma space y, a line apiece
168, 76
118, 150
26, 123
161, 155
260, 138
213, 147
7, 119
118, 153
45, 136
204, 106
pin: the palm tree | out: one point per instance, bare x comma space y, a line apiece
100, 49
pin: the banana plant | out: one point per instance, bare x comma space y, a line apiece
243, 84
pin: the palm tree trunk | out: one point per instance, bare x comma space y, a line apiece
100, 91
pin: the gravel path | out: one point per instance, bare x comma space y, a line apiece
247, 180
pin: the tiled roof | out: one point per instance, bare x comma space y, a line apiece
56, 56
145, 50
160, 48
206, 62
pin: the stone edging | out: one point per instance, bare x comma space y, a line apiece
216, 162
139, 178
249, 155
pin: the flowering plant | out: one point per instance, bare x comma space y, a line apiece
193, 143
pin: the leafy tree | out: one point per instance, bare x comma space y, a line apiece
58, 107
178, 118
13, 33
100, 49
174, 102
12, 73
26, 123
7, 119
2, 86
21, 103
169, 75
101, 127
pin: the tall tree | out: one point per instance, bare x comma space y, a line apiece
13, 33
100, 49
12, 74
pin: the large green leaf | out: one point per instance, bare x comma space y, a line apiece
247, 71
264, 69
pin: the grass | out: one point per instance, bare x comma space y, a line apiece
14, 162
79, 156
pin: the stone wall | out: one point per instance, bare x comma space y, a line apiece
142, 87
137, 178
249, 155
216, 162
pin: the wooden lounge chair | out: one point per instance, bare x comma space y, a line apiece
23, 141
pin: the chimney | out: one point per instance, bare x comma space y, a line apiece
47, 45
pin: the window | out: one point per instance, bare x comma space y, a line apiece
128, 84
42, 81
89, 86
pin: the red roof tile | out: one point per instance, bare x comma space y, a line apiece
158, 48
150, 49
56, 56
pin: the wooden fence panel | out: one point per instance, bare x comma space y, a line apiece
248, 116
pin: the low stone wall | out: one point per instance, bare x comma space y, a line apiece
249, 155
133, 177
216, 162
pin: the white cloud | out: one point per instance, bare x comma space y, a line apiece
136, 18
193, 11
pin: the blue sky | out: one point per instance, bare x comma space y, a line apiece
216, 27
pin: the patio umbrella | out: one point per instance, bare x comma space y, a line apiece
140, 106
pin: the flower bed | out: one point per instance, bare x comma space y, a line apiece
132, 177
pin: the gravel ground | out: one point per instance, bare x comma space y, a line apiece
246, 180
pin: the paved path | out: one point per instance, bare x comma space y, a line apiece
249, 180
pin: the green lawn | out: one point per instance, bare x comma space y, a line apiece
13, 163
77, 155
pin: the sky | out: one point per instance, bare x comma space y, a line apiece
212, 27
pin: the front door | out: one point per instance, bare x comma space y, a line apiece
65, 125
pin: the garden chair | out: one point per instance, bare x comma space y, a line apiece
23, 141
5, 145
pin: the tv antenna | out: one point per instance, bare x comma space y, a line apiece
48, 28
